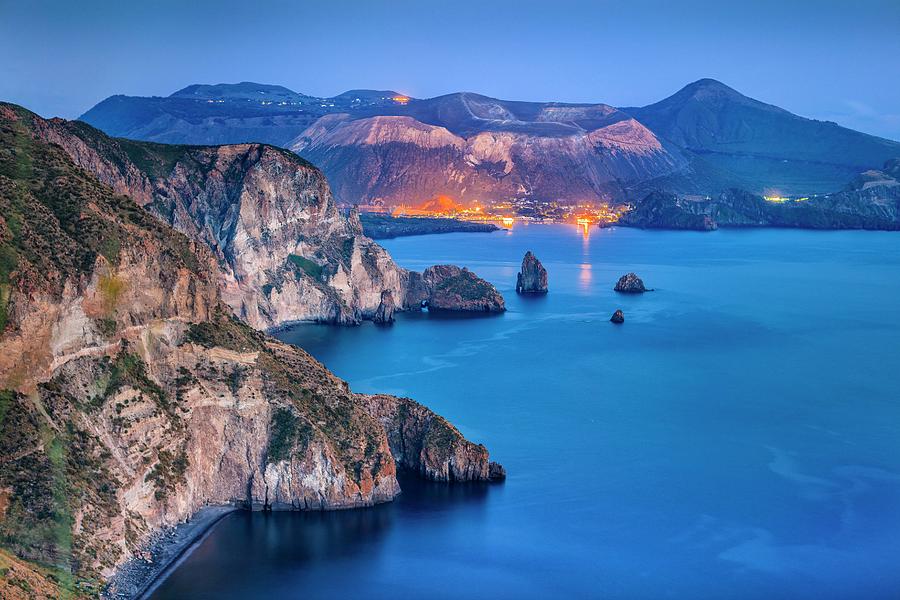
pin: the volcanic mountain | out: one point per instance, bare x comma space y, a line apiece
383, 145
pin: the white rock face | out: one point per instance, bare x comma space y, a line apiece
285, 251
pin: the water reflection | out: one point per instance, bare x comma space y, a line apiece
584, 276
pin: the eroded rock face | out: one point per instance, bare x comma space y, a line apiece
532, 279
451, 288
285, 251
427, 443
630, 284
618, 317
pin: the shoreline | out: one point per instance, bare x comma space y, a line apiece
138, 577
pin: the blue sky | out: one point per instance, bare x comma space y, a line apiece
821, 59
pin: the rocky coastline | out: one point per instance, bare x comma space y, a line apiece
162, 553
132, 397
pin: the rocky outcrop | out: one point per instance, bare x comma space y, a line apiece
428, 444
618, 317
130, 396
385, 312
451, 288
532, 279
630, 284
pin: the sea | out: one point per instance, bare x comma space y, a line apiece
738, 436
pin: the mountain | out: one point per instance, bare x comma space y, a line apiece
386, 146
131, 398
470, 147
224, 113
761, 144
871, 201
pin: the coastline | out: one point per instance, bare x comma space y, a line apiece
138, 577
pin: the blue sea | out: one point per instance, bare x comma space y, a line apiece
737, 437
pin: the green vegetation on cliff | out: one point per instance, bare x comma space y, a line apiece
56, 219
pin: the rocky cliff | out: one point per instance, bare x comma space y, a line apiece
285, 251
130, 396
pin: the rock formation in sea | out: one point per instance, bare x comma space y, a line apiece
532, 279
286, 253
618, 316
131, 396
451, 288
630, 284
385, 312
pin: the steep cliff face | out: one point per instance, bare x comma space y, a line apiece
130, 397
428, 444
285, 251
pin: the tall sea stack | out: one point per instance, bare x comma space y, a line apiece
532, 279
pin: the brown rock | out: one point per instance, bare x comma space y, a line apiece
618, 317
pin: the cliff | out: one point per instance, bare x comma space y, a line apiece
285, 251
131, 397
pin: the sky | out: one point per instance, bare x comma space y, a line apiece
823, 59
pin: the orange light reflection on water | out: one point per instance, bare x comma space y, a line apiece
584, 276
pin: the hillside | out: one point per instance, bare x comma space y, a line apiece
766, 146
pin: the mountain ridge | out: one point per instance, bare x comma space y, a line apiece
710, 137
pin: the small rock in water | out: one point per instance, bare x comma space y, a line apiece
618, 317
532, 279
630, 284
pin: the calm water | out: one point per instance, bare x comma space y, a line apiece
737, 437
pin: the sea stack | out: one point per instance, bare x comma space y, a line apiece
384, 315
630, 284
532, 279
618, 317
